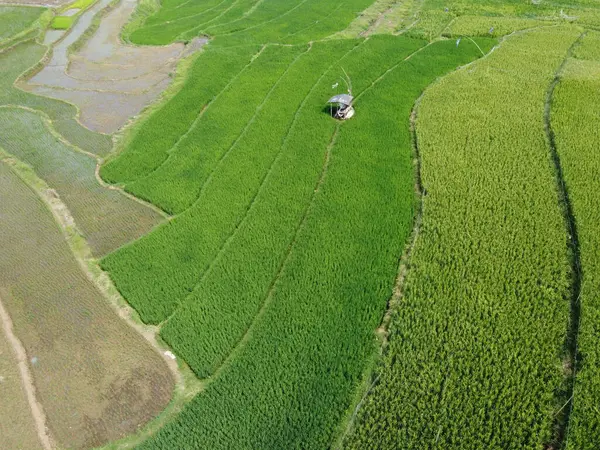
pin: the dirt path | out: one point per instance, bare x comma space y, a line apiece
36, 409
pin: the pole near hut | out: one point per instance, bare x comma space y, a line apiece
340, 106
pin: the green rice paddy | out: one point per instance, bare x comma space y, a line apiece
422, 275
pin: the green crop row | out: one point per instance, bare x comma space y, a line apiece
245, 21
153, 140
576, 125
214, 318
292, 379
159, 270
475, 349
222, 128
289, 22
167, 25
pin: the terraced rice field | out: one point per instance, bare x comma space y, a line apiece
503, 245
419, 276
94, 375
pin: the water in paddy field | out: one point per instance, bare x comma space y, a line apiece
108, 81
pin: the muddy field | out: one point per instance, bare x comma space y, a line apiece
109, 81
96, 378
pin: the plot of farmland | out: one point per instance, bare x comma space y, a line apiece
108, 81
490, 267
96, 378
422, 275
107, 218
15, 21
273, 263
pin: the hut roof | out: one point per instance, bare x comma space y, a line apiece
344, 99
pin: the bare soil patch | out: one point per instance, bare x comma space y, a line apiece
96, 378
108, 80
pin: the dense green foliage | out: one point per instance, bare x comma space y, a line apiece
224, 131
576, 125
228, 295
476, 346
160, 269
324, 292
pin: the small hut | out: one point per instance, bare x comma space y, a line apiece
341, 106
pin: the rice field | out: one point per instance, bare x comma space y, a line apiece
576, 137
96, 378
490, 271
16, 21
422, 275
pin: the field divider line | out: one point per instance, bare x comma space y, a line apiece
272, 287
37, 411
250, 206
562, 416
192, 126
